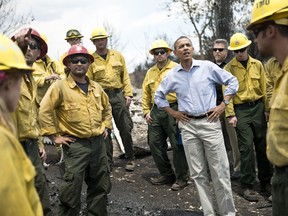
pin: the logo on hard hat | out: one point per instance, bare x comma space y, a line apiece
237, 42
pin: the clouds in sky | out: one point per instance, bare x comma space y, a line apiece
136, 22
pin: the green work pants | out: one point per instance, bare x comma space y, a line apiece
32, 150
163, 126
85, 159
251, 133
123, 122
280, 191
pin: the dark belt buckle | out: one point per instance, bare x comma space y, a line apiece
252, 103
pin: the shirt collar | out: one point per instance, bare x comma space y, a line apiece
195, 63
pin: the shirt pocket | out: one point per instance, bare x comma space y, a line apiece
151, 85
255, 78
117, 68
99, 73
73, 113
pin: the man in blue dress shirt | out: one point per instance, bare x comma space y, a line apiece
194, 81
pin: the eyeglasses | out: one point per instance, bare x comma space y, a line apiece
76, 61
161, 52
240, 50
256, 31
33, 46
218, 49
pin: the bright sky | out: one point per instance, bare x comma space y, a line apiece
136, 22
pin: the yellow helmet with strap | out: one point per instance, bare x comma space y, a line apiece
98, 33
160, 44
267, 10
239, 41
73, 33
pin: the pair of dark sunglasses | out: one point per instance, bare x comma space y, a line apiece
33, 46
218, 49
161, 52
240, 50
76, 61
256, 31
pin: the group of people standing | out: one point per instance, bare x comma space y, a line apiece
192, 103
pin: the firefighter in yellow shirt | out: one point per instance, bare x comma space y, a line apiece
26, 117
46, 72
109, 70
162, 125
269, 23
17, 190
246, 113
273, 72
73, 37
82, 117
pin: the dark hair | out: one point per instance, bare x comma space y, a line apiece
181, 37
283, 29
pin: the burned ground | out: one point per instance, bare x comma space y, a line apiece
132, 193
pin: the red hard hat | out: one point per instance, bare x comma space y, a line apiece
43, 44
77, 49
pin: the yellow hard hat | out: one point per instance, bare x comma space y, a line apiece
239, 41
263, 11
11, 56
73, 33
98, 33
159, 44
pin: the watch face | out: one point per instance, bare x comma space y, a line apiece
226, 102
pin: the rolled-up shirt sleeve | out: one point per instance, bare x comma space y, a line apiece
231, 84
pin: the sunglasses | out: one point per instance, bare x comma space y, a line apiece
240, 50
161, 52
33, 46
218, 49
256, 31
76, 61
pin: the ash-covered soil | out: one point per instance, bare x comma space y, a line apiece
132, 193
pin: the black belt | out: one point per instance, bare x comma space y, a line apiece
27, 141
248, 104
200, 116
113, 91
281, 170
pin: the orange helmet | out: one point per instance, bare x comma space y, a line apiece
42, 43
77, 49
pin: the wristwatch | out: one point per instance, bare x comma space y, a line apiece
226, 102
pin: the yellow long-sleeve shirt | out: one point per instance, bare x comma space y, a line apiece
252, 83
111, 73
76, 113
43, 70
151, 82
277, 136
26, 114
273, 72
17, 190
